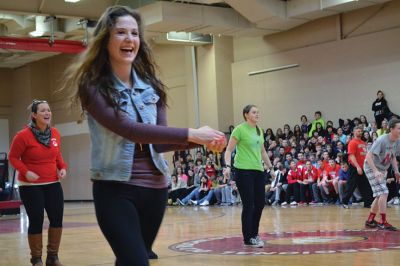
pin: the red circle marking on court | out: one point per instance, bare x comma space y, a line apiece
297, 243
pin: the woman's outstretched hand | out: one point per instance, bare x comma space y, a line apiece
213, 139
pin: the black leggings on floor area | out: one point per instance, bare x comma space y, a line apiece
38, 198
129, 217
251, 186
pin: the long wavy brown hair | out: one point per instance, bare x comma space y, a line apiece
93, 67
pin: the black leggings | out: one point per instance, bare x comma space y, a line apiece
251, 186
129, 217
38, 198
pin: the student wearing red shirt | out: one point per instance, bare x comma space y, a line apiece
317, 187
309, 177
333, 176
357, 151
301, 162
293, 189
211, 168
35, 154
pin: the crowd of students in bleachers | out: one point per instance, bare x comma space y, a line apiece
310, 165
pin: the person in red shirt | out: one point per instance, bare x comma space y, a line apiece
309, 177
211, 168
293, 189
333, 177
35, 154
301, 162
357, 150
317, 187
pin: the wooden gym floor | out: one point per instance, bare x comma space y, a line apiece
195, 236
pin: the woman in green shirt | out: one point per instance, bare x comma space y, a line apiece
250, 153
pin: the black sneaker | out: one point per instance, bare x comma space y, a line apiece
372, 224
386, 226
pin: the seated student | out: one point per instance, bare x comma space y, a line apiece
384, 129
309, 178
317, 186
207, 197
293, 189
198, 192
332, 171
364, 123
342, 137
301, 161
176, 190
211, 168
305, 125
180, 173
344, 174
277, 185
319, 120
222, 183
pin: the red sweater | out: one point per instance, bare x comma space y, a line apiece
293, 176
27, 153
313, 173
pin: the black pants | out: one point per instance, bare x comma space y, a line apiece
393, 188
251, 186
129, 217
360, 181
38, 198
303, 192
293, 191
378, 120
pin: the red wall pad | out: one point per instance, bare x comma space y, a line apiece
41, 45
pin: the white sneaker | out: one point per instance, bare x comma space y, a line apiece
293, 203
205, 203
254, 242
390, 202
284, 203
260, 241
194, 202
396, 201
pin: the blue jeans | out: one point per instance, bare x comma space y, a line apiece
194, 194
209, 196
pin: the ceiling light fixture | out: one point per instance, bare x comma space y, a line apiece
72, 1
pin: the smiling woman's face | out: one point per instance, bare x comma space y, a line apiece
42, 115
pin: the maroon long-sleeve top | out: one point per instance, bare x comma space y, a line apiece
163, 138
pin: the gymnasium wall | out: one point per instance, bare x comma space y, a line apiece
337, 75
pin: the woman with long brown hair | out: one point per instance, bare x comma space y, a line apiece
115, 82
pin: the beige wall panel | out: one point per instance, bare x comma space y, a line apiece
76, 153
339, 78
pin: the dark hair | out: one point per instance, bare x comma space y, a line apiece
383, 95
246, 110
93, 67
393, 122
304, 117
34, 105
318, 112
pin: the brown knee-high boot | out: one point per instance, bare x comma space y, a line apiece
36, 245
53, 244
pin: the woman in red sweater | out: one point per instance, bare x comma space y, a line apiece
35, 154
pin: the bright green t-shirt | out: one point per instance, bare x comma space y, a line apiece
248, 147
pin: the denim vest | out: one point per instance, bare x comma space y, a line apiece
112, 155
